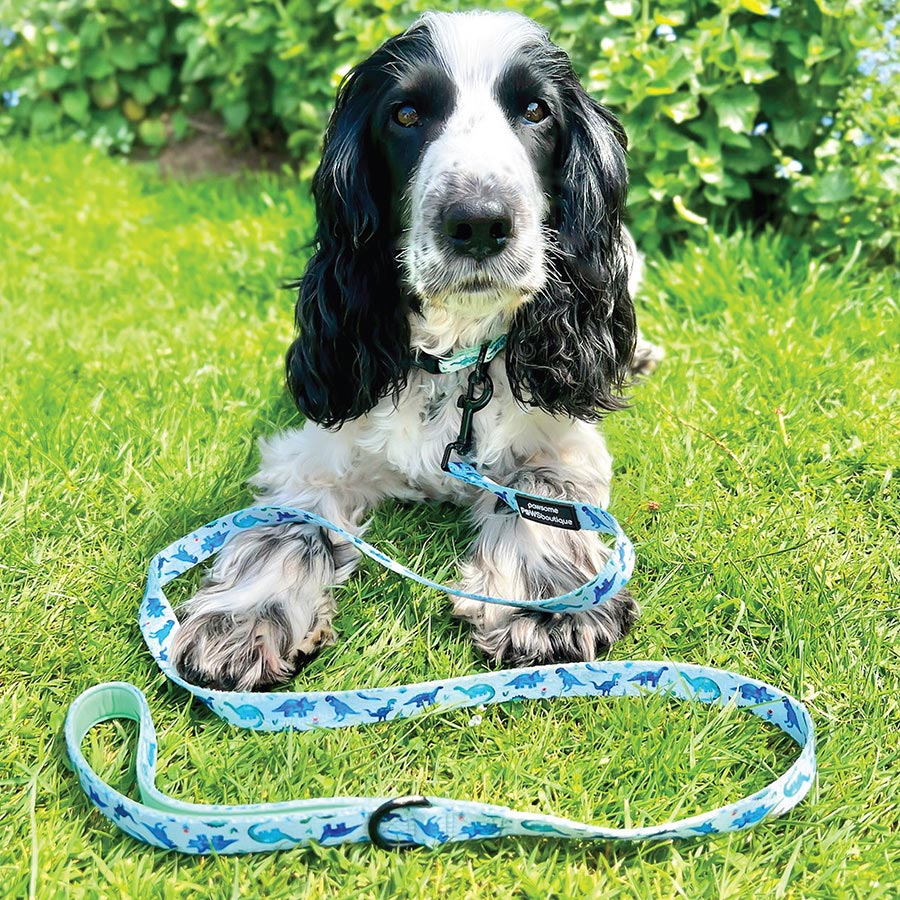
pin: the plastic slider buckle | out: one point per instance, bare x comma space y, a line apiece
428, 363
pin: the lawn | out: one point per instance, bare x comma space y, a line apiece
757, 472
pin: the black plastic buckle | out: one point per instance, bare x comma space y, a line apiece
471, 404
428, 363
408, 802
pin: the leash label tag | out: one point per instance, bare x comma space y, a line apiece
548, 512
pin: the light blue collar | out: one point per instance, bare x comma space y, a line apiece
445, 365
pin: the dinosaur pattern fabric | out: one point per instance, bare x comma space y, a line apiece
221, 829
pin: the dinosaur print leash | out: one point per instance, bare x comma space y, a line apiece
199, 828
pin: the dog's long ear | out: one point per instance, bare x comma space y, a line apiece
570, 346
351, 315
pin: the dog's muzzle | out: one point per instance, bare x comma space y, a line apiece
477, 228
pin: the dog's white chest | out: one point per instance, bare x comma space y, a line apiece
411, 437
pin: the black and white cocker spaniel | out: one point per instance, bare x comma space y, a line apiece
468, 188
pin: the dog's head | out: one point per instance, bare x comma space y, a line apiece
466, 170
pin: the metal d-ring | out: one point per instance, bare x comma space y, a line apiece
408, 802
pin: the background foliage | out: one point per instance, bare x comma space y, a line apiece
736, 109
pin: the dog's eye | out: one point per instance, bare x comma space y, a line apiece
536, 111
406, 115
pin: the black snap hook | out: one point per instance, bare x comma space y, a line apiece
471, 404
386, 808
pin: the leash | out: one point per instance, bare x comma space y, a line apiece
391, 823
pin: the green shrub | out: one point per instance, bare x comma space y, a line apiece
733, 107
100, 67
849, 193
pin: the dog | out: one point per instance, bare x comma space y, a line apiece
468, 188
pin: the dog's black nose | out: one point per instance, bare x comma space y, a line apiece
477, 229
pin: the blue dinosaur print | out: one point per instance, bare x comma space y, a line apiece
163, 655
752, 815
248, 713
526, 680
651, 678
703, 686
247, 521
377, 554
561, 607
207, 701
363, 696
381, 714
756, 694
213, 541
480, 829
605, 687
591, 667
794, 785
295, 707
568, 679
477, 690
183, 556
336, 831
122, 813
792, 720
541, 827
159, 832
285, 516
424, 699
596, 521
432, 829
205, 844
705, 828
154, 607
160, 562
601, 590
269, 836
341, 710
163, 632
96, 799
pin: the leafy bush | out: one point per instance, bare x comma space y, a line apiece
97, 67
735, 109
849, 193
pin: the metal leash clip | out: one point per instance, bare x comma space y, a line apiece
386, 808
470, 404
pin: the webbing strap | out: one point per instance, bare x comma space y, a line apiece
208, 828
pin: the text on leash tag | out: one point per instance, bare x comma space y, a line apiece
548, 512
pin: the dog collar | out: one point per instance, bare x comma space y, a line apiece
445, 365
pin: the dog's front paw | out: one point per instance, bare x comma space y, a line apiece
537, 638
244, 651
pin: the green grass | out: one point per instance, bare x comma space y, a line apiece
140, 358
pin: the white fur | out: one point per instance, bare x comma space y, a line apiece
478, 148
